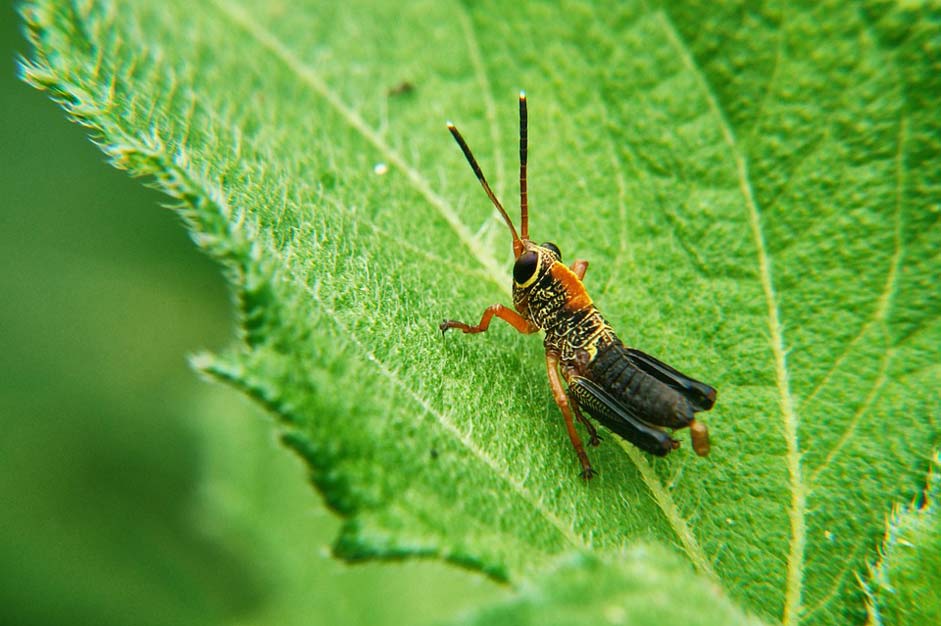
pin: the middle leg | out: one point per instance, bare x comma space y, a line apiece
579, 266
593, 439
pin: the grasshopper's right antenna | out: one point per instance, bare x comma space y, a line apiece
524, 205
517, 243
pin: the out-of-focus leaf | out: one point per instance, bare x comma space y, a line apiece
646, 584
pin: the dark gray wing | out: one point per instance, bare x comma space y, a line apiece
602, 406
699, 394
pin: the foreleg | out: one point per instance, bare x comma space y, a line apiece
506, 314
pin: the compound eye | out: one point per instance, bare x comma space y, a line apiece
555, 249
525, 267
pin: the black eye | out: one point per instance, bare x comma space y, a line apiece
551, 246
525, 267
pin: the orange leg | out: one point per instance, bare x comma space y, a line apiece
508, 315
579, 266
561, 399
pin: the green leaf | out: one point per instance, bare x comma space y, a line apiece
644, 585
758, 191
903, 586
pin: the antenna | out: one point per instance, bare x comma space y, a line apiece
517, 243
524, 205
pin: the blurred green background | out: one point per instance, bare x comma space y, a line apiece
131, 492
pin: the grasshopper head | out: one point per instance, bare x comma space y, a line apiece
534, 260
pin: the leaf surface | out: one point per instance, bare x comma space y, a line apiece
757, 191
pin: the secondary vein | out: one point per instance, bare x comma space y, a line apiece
305, 73
490, 107
880, 314
565, 530
670, 511
661, 494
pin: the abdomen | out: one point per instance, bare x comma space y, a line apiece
645, 396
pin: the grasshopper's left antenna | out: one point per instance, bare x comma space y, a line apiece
524, 205
517, 243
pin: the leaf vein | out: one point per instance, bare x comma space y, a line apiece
798, 540
269, 41
875, 389
832, 594
451, 427
666, 503
619, 258
490, 107
386, 237
769, 86
881, 312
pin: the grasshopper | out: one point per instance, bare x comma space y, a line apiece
631, 393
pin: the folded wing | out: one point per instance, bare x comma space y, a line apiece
593, 399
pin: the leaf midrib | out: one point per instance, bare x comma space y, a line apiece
795, 561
